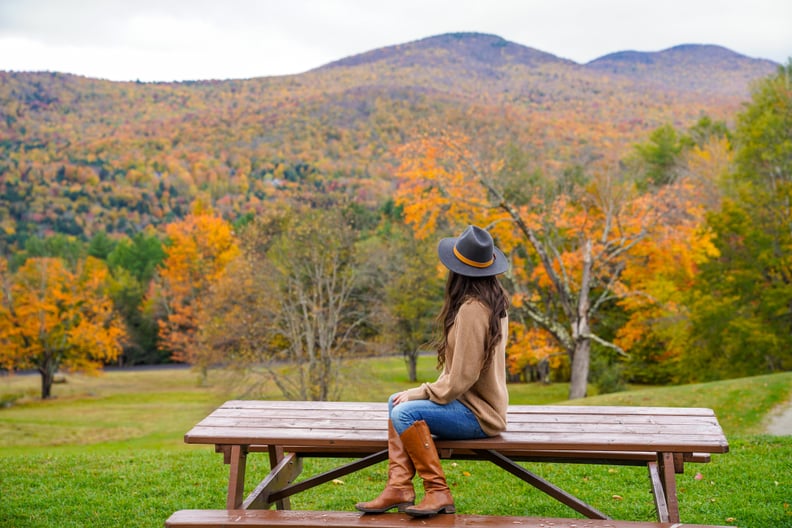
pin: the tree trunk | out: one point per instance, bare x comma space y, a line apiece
412, 366
580, 369
543, 370
204, 376
47, 371
581, 356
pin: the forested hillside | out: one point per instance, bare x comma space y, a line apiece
79, 156
642, 200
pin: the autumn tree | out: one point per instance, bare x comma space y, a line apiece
531, 351
570, 237
53, 317
659, 311
197, 251
665, 266
292, 303
237, 321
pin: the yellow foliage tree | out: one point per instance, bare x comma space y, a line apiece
52, 317
199, 249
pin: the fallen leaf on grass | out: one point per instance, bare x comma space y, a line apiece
338, 482
618, 497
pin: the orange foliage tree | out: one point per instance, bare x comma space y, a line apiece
198, 251
532, 349
666, 264
53, 317
570, 239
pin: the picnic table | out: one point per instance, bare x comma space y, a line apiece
662, 439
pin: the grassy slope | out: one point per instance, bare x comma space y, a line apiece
741, 405
108, 452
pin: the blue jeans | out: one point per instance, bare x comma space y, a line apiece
453, 421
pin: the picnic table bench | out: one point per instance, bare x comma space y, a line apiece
662, 439
312, 519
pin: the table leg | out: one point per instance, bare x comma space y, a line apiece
236, 477
281, 475
658, 492
275, 456
663, 477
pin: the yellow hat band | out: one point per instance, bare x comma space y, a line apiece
473, 263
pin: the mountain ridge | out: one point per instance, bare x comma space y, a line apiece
702, 50
491, 58
482, 47
693, 67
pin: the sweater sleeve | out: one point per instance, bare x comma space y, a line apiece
463, 365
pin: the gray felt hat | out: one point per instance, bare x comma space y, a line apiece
473, 254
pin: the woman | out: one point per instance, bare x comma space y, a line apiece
469, 398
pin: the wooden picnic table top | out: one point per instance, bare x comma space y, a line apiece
338, 426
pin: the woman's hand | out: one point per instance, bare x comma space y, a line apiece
399, 398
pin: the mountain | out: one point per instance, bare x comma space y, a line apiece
80, 155
493, 62
469, 51
687, 55
688, 67
469, 66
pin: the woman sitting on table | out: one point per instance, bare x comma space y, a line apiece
469, 398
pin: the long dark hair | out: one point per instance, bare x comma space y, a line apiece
488, 291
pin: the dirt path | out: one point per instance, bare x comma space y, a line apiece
780, 421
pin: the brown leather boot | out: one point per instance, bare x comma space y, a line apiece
399, 492
418, 442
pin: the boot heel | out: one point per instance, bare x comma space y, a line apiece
415, 512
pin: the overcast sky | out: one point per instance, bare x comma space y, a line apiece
166, 40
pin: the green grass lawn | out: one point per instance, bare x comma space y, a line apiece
108, 451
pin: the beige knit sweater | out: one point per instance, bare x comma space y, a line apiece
482, 391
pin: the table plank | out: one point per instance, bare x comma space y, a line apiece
513, 418
381, 425
513, 409
350, 425
335, 519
